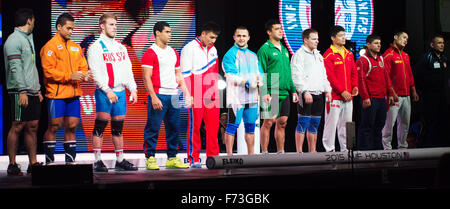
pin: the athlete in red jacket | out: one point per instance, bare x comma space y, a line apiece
343, 78
374, 86
399, 70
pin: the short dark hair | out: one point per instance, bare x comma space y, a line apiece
269, 24
63, 18
399, 31
159, 26
308, 32
436, 35
372, 37
211, 27
335, 30
22, 16
241, 28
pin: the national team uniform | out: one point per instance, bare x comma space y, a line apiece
342, 75
239, 64
60, 59
399, 69
163, 63
112, 70
374, 84
199, 66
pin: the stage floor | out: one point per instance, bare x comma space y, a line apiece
419, 174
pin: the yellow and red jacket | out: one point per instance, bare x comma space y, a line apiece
60, 59
341, 71
399, 70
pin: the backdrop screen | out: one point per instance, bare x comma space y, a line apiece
135, 25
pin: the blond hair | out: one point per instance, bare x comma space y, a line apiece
105, 16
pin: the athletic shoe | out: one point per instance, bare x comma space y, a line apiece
151, 164
99, 166
196, 165
30, 167
14, 170
175, 162
125, 166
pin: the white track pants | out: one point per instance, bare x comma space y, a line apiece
337, 114
401, 112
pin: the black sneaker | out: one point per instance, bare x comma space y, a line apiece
100, 167
125, 166
30, 167
14, 170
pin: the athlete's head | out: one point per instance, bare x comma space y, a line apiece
241, 36
209, 33
274, 30
65, 25
373, 43
108, 24
337, 34
401, 38
437, 43
25, 18
310, 38
162, 32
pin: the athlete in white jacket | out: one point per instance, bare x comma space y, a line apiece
112, 71
310, 79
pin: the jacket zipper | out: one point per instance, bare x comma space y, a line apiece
70, 64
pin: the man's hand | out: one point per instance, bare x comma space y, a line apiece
134, 97
355, 91
266, 98
346, 95
77, 76
156, 103
415, 96
188, 100
112, 97
308, 98
23, 100
40, 97
88, 76
328, 97
391, 100
295, 97
395, 96
366, 103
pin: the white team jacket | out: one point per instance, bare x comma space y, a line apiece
110, 65
308, 71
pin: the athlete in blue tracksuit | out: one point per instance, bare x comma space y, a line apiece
244, 75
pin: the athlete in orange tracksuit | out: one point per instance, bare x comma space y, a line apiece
64, 67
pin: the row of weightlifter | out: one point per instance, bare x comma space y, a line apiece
333, 78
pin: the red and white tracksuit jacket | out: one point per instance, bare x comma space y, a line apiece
399, 70
343, 76
374, 81
200, 67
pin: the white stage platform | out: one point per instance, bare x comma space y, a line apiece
138, 159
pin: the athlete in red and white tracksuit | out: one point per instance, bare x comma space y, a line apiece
199, 65
399, 69
342, 75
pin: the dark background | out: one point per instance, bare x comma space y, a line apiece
418, 16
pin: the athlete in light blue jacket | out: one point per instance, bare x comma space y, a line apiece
244, 75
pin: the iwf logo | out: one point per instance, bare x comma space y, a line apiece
295, 17
356, 16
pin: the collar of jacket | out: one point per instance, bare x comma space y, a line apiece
343, 53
